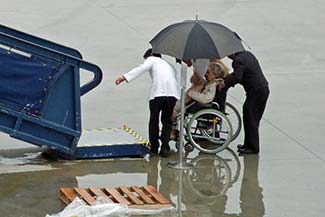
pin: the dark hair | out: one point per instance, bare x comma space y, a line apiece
149, 53
178, 60
156, 54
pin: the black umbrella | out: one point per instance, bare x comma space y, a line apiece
194, 39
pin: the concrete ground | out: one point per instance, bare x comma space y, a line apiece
285, 180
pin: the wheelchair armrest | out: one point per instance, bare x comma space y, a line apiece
207, 105
195, 106
189, 105
216, 105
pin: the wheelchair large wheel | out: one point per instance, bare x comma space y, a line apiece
235, 119
209, 130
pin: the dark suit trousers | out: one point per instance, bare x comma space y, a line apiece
253, 110
165, 106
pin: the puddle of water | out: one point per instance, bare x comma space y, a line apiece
112, 180
28, 162
27, 158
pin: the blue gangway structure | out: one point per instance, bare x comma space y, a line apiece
40, 95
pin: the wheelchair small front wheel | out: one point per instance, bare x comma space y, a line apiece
209, 130
188, 147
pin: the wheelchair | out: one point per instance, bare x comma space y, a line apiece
207, 128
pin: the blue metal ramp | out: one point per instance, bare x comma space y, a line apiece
111, 142
40, 93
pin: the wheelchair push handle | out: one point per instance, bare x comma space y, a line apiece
98, 76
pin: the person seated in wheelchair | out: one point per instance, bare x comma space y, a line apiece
210, 96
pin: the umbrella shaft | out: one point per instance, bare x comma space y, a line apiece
182, 102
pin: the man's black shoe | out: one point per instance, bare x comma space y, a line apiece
246, 151
163, 152
241, 146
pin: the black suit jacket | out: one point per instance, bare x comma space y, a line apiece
247, 72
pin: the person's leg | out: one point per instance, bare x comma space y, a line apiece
262, 97
259, 107
166, 114
176, 110
254, 138
245, 124
154, 106
251, 140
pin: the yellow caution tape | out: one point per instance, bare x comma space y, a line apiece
136, 135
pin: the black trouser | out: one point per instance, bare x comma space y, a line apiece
165, 105
253, 110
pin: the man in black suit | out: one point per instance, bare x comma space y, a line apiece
248, 73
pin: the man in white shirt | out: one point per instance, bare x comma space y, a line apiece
163, 95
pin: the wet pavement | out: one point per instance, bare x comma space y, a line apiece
286, 179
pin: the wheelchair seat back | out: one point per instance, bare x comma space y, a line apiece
220, 99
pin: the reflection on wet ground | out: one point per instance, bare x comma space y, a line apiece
30, 161
203, 190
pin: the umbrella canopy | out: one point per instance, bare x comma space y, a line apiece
194, 39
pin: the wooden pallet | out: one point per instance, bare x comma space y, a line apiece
146, 197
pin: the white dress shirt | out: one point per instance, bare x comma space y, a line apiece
163, 75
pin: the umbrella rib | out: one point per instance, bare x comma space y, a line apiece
165, 35
196, 34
